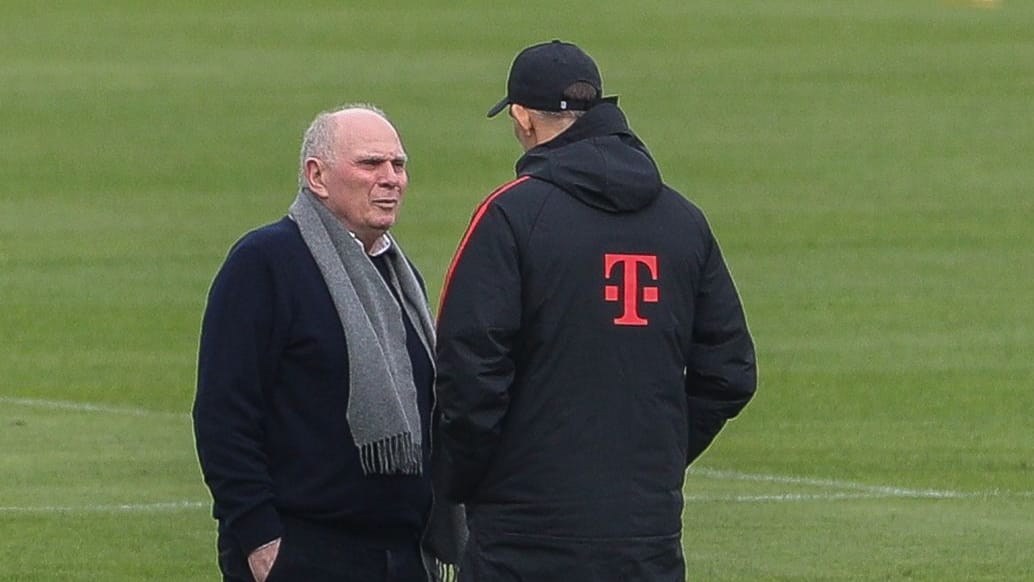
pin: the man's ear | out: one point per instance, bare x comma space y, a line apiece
522, 117
315, 177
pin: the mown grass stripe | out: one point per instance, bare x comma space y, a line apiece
872, 490
159, 507
88, 407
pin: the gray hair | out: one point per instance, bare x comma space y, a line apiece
318, 140
558, 115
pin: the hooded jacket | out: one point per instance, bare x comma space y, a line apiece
591, 344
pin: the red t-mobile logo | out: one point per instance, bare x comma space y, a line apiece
629, 290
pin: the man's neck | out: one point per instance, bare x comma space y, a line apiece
547, 132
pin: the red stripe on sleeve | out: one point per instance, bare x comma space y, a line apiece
481, 209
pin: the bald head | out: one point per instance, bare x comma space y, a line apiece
341, 128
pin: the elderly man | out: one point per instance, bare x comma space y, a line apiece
315, 374
591, 345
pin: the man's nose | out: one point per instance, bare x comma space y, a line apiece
391, 174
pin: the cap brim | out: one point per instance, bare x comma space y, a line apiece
499, 107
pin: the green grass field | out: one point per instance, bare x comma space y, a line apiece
866, 165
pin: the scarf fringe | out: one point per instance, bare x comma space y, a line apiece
394, 455
445, 572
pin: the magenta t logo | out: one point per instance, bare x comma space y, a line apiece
628, 291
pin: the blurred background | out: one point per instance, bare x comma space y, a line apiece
865, 165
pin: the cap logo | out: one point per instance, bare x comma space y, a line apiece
563, 105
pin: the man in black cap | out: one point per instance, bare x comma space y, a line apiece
591, 345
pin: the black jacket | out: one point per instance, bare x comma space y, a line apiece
272, 394
591, 344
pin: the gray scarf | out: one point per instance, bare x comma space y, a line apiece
382, 403
382, 400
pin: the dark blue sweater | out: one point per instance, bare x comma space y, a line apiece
269, 417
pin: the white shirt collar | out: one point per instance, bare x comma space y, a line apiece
379, 246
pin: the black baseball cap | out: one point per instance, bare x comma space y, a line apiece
540, 74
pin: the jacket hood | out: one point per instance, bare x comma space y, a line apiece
599, 161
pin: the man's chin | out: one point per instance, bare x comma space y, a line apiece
385, 221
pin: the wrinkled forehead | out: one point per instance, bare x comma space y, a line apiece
365, 133
376, 150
